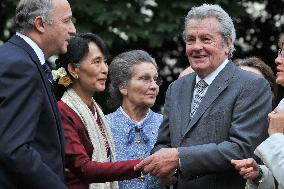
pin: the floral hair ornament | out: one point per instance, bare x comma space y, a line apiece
61, 74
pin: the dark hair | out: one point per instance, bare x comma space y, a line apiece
255, 62
121, 70
281, 40
77, 49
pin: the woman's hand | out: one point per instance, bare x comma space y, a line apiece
276, 122
247, 168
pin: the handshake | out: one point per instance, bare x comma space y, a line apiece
162, 164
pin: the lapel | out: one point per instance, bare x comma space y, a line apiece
24, 45
219, 84
185, 103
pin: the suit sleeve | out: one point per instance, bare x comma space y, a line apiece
248, 128
163, 139
78, 160
20, 106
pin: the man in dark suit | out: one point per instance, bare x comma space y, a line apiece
31, 138
213, 115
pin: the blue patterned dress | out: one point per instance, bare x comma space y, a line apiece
134, 141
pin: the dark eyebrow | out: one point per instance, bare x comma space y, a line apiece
98, 57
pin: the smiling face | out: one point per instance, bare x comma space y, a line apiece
142, 89
92, 71
280, 67
205, 47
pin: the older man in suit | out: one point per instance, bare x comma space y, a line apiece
31, 138
213, 115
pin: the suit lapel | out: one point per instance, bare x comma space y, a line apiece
219, 84
22, 43
185, 103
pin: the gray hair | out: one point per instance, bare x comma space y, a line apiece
121, 71
227, 28
28, 10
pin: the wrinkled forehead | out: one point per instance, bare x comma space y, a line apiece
205, 26
208, 22
143, 68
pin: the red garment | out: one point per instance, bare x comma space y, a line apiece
78, 151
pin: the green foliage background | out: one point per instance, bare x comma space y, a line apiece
157, 25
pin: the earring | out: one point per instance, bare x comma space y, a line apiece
76, 76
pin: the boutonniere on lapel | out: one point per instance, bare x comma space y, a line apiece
61, 75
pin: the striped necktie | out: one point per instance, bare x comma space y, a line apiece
198, 95
47, 72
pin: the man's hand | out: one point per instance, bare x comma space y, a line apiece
276, 122
247, 168
160, 164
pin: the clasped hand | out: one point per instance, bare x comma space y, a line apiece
162, 164
247, 168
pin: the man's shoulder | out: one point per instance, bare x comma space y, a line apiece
247, 76
184, 80
11, 50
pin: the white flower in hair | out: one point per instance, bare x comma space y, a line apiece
60, 72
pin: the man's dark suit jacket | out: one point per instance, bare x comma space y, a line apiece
31, 137
229, 123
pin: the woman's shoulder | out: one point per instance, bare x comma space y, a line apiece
62, 105
67, 113
156, 116
114, 115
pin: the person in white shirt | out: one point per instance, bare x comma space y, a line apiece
271, 151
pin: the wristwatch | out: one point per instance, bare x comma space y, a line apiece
258, 179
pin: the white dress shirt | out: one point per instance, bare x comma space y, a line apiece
34, 46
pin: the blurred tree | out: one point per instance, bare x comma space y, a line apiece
157, 25
7, 8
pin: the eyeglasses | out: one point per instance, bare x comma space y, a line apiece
280, 53
148, 80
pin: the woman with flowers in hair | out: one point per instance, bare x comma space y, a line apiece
90, 153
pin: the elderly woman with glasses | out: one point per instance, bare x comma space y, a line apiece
271, 151
134, 86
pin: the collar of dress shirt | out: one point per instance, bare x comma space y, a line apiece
210, 78
35, 47
136, 122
